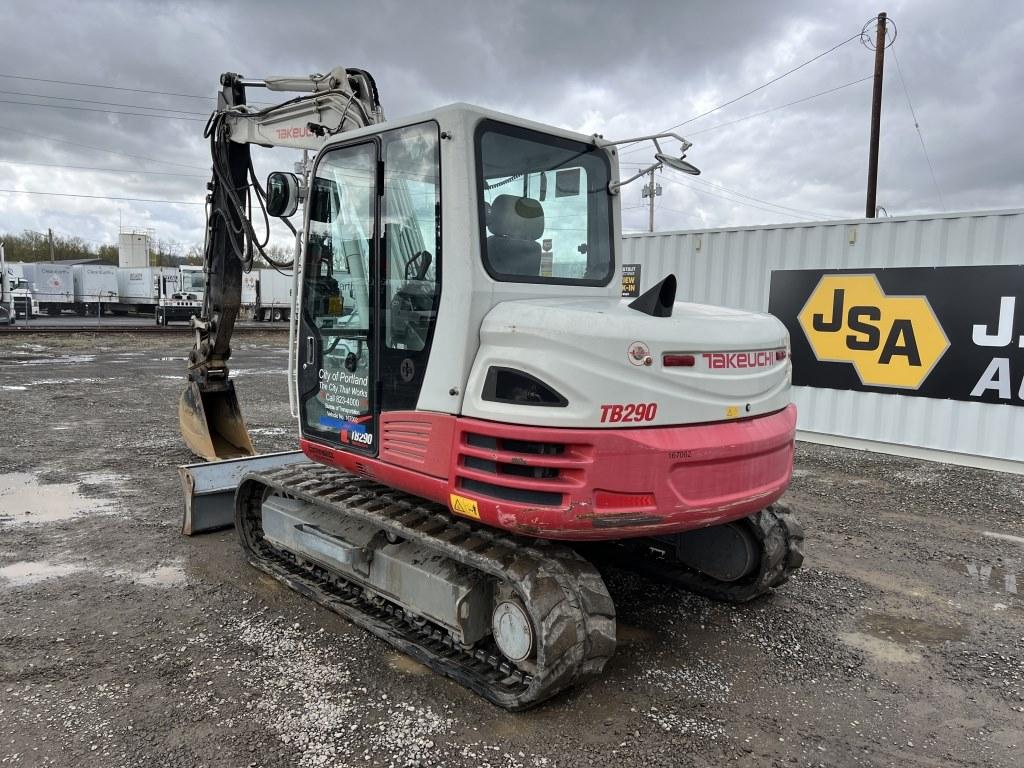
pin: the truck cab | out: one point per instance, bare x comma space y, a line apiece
16, 300
182, 298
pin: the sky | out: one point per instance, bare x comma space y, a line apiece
618, 69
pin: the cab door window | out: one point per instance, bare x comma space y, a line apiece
337, 342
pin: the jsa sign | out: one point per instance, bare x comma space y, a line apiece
946, 332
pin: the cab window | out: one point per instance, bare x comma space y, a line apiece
545, 210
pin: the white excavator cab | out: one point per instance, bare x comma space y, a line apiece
413, 232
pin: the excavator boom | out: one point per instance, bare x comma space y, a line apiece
209, 416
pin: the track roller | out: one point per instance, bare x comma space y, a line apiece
758, 554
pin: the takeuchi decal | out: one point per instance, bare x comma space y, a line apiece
942, 332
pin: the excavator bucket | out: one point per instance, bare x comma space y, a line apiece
211, 422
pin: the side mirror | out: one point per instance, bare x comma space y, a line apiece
282, 194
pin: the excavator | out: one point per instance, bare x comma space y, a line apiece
484, 420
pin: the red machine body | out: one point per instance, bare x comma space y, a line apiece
581, 484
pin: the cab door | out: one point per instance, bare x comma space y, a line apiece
337, 368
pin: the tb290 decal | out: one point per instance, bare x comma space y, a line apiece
628, 412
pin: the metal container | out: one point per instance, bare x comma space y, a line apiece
52, 286
139, 288
266, 293
94, 283
733, 267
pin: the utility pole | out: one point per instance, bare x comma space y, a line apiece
876, 117
50, 233
651, 190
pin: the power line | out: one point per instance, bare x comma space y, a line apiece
769, 82
105, 111
728, 199
917, 126
103, 103
107, 87
121, 88
764, 85
107, 170
101, 197
766, 111
781, 106
785, 208
36, 135
722, 188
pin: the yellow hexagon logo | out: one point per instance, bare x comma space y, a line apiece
892, 341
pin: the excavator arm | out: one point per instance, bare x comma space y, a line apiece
342, 100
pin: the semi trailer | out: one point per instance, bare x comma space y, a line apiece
52, 286
95, 288
267, 295
139, 289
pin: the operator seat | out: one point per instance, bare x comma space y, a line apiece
515, 224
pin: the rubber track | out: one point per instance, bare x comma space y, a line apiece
781, 538
568, 603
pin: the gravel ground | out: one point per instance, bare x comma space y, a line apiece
123, 643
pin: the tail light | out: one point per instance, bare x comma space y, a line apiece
610, 500
678, 361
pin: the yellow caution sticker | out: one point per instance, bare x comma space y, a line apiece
463, 506
732, 412
335, 306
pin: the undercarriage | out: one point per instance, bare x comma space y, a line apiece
516, 620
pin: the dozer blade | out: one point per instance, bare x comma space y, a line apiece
209, 488
211, 422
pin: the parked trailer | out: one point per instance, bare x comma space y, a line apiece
139, 289
52, 286
95, 288
267, 295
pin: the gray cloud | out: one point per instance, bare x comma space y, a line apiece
615, 68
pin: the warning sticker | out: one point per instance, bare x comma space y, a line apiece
463, 506
630, 281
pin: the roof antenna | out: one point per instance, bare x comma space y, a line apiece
657, 301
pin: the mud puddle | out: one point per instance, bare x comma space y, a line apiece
172, 575
26, 501
907, 631
254, 372
55, 361
25, 573
407, 664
